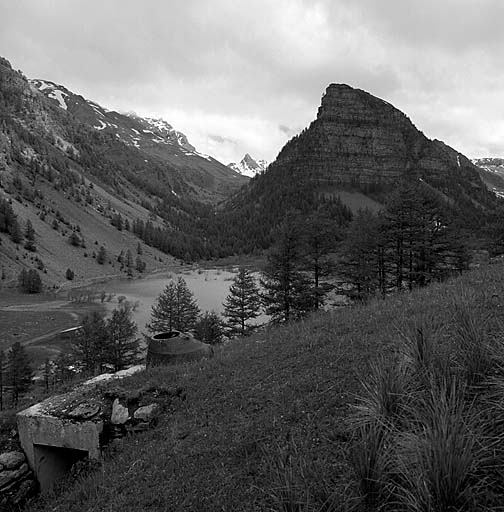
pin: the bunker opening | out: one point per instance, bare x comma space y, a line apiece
54, 462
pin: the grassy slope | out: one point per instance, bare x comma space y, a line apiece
57, 253
264, 423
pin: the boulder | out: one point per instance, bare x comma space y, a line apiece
120, 414
11, 460
146, 413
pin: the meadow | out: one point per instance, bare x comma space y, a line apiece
391, 405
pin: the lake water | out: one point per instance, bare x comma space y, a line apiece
210, 289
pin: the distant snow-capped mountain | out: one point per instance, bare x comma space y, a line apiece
248, 166
491, 171
490, 164
151, 130
155, 138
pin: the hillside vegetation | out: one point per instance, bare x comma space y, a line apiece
328, 414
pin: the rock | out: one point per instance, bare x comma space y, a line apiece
8, 478
120, 414
11, 460
84, 411
146, 413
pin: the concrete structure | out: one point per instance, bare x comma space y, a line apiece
61, 430
173, 347
53, 444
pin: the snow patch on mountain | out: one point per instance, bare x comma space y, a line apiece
102, 126
56, 92
248, 166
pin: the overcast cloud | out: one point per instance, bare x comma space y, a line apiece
244, 76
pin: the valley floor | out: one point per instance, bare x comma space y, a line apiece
266, 422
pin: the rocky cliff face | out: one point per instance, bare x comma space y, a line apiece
358, 138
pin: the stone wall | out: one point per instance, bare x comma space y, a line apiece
17, 481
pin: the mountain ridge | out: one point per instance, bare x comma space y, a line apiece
209, 180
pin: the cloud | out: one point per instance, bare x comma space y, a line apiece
219, 69
221, 140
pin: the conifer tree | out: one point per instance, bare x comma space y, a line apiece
287, 294
30, 237
2, 373
129, 259
122, 344
319, 237
359, 265
90, 345
175, 309
242, 304
15, 231
101, 256
30, 281
18, 371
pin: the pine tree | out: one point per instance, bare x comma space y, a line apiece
175, 309
242, 304
122, 344
287, 294
18, 371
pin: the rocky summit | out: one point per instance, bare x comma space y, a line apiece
359, 138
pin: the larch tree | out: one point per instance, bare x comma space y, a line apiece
360, 263
175, 309
243, 303
287, 293
319, 237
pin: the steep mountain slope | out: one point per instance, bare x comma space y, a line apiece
67, 174
248, 166
157, 140
357, 149
56, 173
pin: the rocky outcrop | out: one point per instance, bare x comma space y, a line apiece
17, 482
360, 139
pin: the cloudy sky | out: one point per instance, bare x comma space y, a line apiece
243, 76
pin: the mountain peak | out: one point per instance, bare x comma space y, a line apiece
248, 166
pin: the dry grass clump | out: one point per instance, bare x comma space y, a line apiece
429, 437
